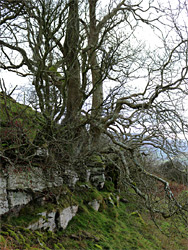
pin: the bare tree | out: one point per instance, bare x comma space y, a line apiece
10, 10
73, 49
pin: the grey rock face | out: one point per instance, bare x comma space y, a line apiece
66, 215
51, 221
4, 207
20, 183
71, 177
55, 219
95, 204
18, 198
21, 178
45, 222
40, 224
110, 201
97, 176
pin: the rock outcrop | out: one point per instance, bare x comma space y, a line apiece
66, 215
20, 184
55, 219
95, 204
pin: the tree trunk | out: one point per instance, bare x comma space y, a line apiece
97, 98
71, 47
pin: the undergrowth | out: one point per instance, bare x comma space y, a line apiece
123, 226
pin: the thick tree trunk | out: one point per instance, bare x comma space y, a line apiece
97, 98
71, 47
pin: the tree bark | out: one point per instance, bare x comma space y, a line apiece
97, 98
71, 47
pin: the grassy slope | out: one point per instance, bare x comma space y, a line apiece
14, 115
12, 110
119, 227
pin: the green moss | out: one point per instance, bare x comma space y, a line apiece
2, 239
38, 234
56, 246
138, 216
4, 233
98, 247
87, 195
15, 116
84, 209
109, 186
96, 158
95, 161
59, 246
165, 226
96, 195
14, 235
22, 239
27, 246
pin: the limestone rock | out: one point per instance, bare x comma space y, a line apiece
66, 215
46, 221
88, 174
97, 177
36, 225
71, 177
95, 204
54, 220
53, 178
51, 221
20, 183
4, 207
21, 178
40, 223
18, 198
110, 201
42, 152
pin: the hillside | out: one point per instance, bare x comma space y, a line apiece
15, 115
117, 225
42, 207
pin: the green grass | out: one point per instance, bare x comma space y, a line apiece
14, 115
122, 227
